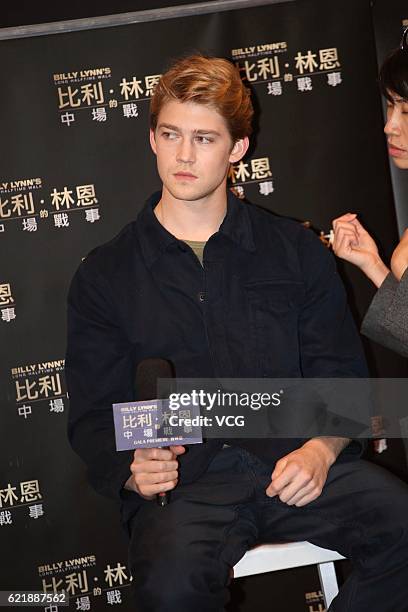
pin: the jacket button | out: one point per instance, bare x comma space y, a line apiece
201, 296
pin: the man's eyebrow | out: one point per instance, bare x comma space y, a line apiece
214, 132
174, 128
168, 126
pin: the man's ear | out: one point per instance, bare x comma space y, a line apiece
239, 149
153, 141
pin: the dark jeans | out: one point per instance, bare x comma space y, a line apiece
181, 555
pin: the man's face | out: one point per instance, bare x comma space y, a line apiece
396, 130
194, 150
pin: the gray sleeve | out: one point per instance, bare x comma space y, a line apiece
386, 320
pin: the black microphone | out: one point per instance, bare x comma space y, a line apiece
148, 372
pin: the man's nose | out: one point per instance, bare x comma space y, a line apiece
393, 122
185, 151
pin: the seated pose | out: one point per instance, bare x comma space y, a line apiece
223, 289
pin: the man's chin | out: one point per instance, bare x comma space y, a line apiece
187, 194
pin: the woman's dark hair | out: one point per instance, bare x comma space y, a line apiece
394, 72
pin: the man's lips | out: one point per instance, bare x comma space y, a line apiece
185, 175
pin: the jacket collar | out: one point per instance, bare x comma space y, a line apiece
155, 239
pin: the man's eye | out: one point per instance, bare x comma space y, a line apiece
169, 135
204, 139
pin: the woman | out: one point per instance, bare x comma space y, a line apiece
386, 321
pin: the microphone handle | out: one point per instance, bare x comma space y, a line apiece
148, 371
162, 499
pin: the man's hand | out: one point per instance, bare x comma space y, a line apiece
354, 244
298, 478
399, 259
154, 470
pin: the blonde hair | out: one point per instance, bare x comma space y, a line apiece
212, 82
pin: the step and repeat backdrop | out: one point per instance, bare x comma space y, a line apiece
76, 166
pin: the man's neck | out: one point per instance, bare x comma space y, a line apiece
192, 220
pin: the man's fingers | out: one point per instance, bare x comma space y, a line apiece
159, 454
153, 466
308, 498
279, 467
178, 449
271, 491
295, 487
155, 478
298, 492
155, 470
292, 500
149, 491
288, 474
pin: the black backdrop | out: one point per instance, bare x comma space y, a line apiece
74, 139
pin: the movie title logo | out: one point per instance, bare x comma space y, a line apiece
38, 368
263, 49
85, 582
88, 74
60, 567
37, 383
20, 185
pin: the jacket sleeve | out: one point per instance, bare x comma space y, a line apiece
99, 373
330, 345
386, 320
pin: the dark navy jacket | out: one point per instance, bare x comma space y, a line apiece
267, 303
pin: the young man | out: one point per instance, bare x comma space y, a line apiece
224, 290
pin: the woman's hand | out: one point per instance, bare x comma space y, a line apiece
353, 243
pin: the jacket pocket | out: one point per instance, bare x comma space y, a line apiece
273, 324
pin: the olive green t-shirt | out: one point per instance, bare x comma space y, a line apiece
198, 247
